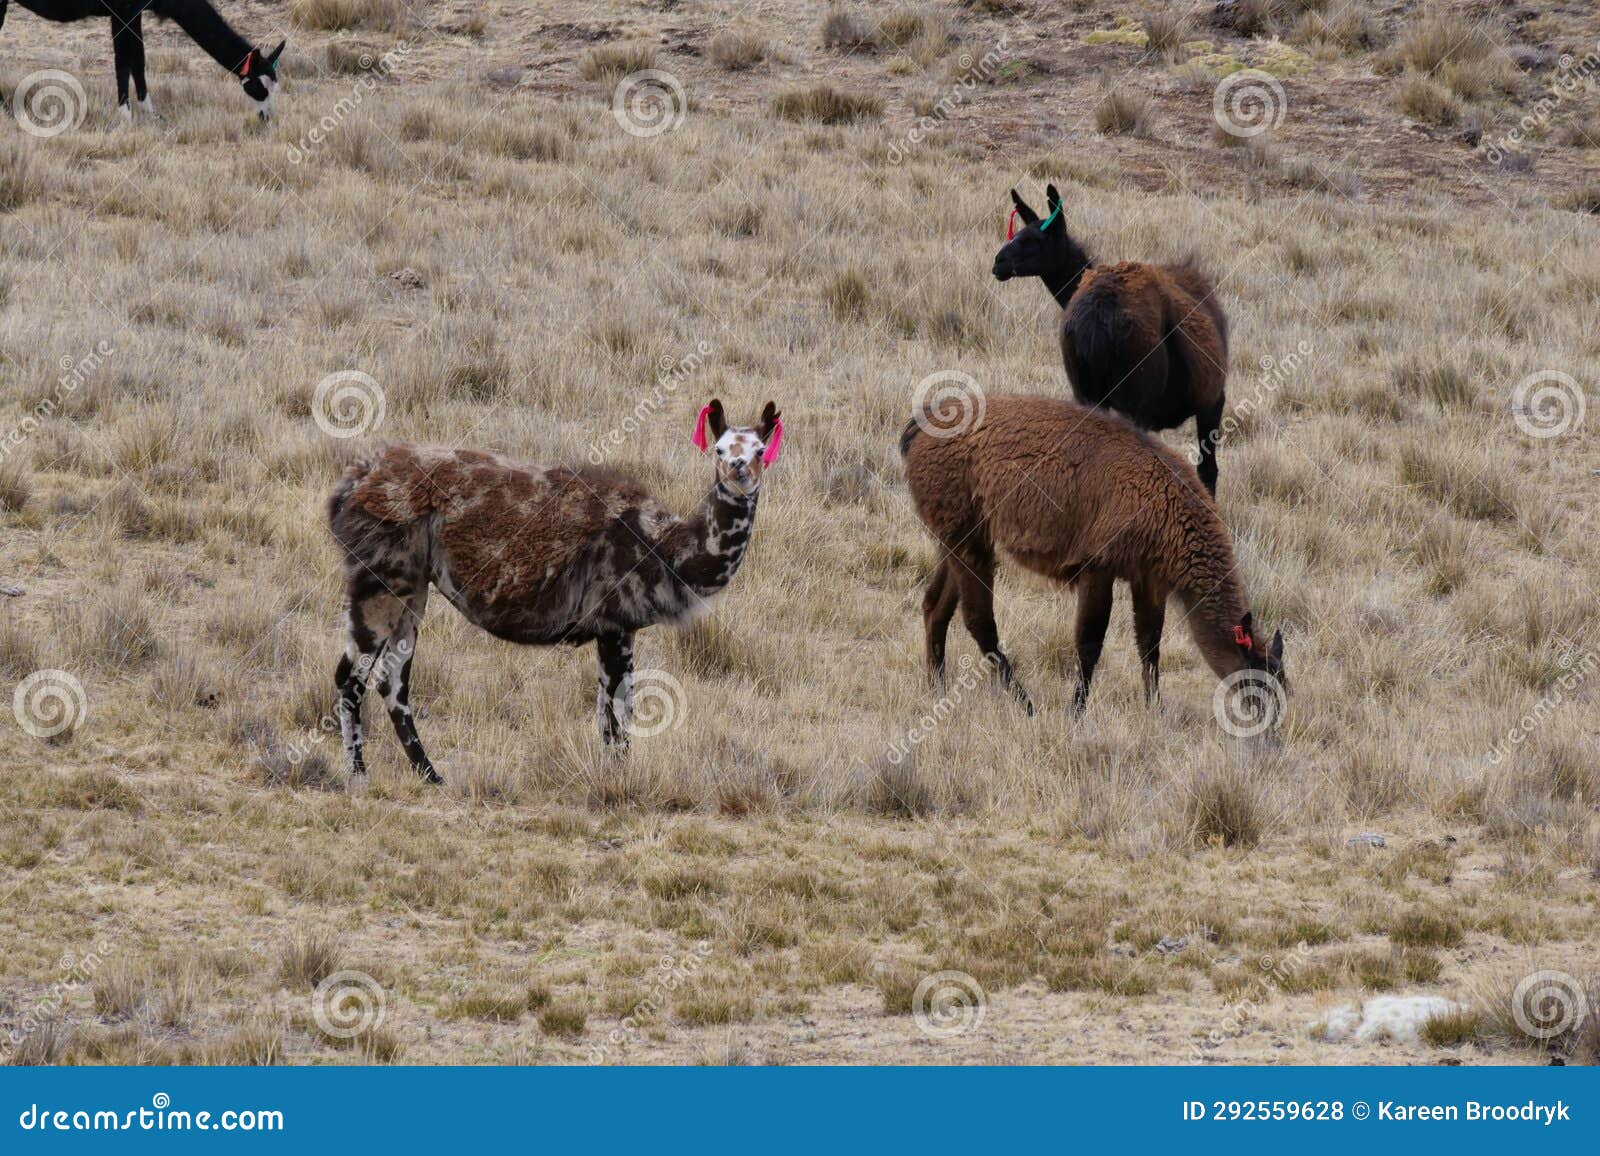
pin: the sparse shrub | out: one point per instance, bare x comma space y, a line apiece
827, 104
1122, 111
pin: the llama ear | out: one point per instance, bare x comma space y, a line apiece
716, 421
1028, 215
709, 415
1052, 199
272, 57
1244, 633
1275, 651
769, 419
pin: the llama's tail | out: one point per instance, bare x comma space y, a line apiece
909, 435
1100, 329
340, 498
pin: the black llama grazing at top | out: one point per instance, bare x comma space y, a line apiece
257, 70
1149, 341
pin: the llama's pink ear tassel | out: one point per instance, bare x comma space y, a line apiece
773, 443
1011, 225
699, 438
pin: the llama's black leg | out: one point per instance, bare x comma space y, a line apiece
1149, 617
394, 684
122, 51
5, 109
350, 682
141, 93
1094, 615
938, 607
975, 576
614, 692
1207, 423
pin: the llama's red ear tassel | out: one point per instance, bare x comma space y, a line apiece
1242, 637
699, 438
773, 443
1011, 225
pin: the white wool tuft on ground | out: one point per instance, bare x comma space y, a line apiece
1384, 1017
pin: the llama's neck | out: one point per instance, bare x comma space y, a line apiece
1064, 277
711, 544
208, 29
1214, 604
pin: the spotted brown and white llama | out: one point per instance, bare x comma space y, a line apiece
534, 555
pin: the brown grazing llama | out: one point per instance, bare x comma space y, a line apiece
539, 556
1149, 341
1081, 496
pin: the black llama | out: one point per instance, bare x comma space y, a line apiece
257, 70
1148, 341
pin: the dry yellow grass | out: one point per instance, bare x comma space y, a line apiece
518, 272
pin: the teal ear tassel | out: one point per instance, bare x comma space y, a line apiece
1045, 224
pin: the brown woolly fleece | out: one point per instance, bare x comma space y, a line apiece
1084, 497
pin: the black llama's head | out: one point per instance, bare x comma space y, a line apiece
1039, 248
259, 76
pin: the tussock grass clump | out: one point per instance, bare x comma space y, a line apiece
1445, 38
1454, 476
1122, 112
1165, 31
20, 179
1451, 1029
844, 31
343, 15
898, 790
827, 104
739, 49
1420, 928
1425, 100
1224, 806
565, 1019
308, 960
16, 482
1584, 199
609, 63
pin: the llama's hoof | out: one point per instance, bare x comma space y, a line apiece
432, 777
